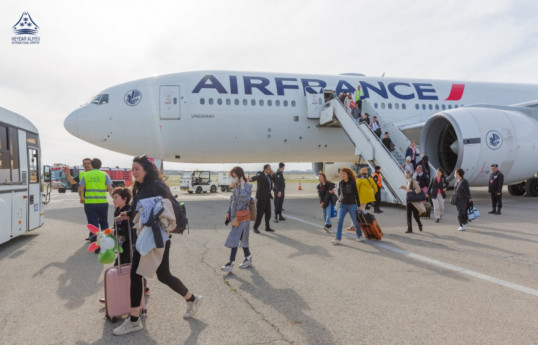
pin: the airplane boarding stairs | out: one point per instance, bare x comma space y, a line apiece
370, 147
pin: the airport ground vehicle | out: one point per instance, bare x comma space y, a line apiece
198, 181
224, 182
22, 201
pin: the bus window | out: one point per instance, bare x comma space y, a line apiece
5, 173
34, 167
14, 154
31, 139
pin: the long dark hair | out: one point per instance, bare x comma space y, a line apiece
238, 171
152, 173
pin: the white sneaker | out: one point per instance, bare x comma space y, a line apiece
127, 327
336, 242
359, 239
462, 228
247, 263
228, 267
192, 307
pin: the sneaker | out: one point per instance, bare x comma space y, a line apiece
336, 242
462, 228
327, 227
192, 307
128, 326
359, 239
247, 263
102, 300
351, 228
228, 267
437, 220
146, 291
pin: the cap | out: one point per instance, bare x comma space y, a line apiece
495, 165
281, 165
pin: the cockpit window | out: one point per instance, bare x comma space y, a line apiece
100, 99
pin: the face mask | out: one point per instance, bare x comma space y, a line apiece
364, 175
234, 179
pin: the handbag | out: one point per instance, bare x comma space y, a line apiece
252, 208
453, 200
334, 212
241, 215
414, 196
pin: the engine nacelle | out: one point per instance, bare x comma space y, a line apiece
473, 138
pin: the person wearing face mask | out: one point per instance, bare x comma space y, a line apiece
239, 234
413, 208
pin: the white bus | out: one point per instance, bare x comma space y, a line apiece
21, 200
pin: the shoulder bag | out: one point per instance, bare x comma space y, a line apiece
241, 215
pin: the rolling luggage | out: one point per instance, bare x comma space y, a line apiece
117, 288
428, 207
370, 226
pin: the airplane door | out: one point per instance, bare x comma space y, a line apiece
34, 189
314, 102
169, 102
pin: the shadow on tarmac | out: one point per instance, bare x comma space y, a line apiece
302, 248
79, 278
17, 246
288, 303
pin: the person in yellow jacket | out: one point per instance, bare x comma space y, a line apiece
377, 179
366, 188
93, 188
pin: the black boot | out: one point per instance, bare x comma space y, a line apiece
492, 211
498, 211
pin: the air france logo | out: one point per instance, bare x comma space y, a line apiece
133, 97
25, 30
494, 140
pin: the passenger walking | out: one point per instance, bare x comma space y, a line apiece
342, 97
359, 96
238, 210
387, 141
375, 126
495, 187
423, 180
264, 181
279, 190
462, 198
414, 206
93, 188
437, 194
366, 187
412, 152
366, 118
376, 176
348, 102
408, 166
326, 195
425, 163
148, 184
348, 199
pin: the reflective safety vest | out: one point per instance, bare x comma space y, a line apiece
377, 179
359, 95
95, 182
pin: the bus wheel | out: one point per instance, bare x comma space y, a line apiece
213, 189
199, 190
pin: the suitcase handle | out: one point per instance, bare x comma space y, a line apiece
130, 243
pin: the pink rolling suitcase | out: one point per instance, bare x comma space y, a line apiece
117, 289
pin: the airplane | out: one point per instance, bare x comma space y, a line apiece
253, 117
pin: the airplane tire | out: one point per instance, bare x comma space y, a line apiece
517, 189
199, 190
531, 187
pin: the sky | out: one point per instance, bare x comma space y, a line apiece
87, 46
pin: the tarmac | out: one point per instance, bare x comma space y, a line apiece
439, 286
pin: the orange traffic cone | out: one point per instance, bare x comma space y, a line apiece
300, 188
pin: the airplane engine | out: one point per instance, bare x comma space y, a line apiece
476, 137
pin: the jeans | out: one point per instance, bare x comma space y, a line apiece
97, 215
327, 215
352, 209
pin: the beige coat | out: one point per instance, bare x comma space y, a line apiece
419, 205
151, 261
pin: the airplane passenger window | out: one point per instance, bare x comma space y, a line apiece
277, 103
285, 103
202, 100
293, 103
219, 101
245, 102
450, 106
261, 102
437, 107
430, 107
382, 105
236, 101
456, 106
269, 103
375, 105
396, 106
424, 107
228, 101
443, 107
104, 99
389, 105
417, 107
403, 106
210, 101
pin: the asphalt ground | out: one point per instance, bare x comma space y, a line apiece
439, 286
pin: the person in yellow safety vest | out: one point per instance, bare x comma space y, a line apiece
93, 188
87, 164
377, 179
359, 96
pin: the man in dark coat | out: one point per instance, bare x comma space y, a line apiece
279, 187
496, 180
412, 152
264, 181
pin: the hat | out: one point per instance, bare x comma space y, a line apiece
495, 165
281, 165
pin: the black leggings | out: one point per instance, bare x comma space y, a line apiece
163, 274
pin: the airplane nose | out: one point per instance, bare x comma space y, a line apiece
71, 123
